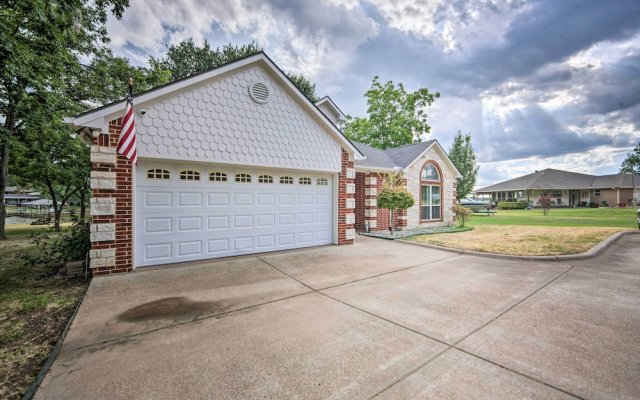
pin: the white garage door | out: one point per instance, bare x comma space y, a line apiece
188, 212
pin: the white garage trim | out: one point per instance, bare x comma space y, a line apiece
179, 220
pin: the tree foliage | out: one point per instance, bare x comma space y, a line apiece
463, 214
395, 116
394, 196
40, 44
545, 202
463, 157
631, 164
305, 85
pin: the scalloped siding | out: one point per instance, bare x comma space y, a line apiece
219, 122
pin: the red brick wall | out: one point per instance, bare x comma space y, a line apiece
124, 213
342, 200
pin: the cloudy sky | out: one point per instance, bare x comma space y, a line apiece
538, 84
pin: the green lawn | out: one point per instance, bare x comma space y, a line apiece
35, 305
578, 217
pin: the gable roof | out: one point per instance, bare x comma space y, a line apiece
397, 158
332, 105
96, 118
558, 179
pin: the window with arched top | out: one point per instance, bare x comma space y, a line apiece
265, 179
189, 175
430, 193
322, 182
304, 181
217, 177
158, 173
286, 180
243, 178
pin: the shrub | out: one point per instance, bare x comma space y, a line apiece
512, 205
604, 204
593, 204
463, 214
545, 202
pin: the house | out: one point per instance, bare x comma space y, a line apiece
16, 196
426, 172
566, 188
234, 160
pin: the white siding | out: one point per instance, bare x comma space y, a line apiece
219, 122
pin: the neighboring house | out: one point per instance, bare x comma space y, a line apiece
15, 196
234, 160
566, 188
427, 173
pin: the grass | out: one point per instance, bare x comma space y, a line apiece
17, 230
530, 232
35, 305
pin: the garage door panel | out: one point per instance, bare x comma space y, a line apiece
180, 221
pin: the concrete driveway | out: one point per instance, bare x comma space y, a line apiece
378, 319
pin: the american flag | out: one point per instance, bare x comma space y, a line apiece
127, 139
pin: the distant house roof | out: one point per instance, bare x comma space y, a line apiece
396, 158
558, 179
40, 202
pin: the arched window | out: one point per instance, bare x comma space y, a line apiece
189, 176
430, 193
305, 181
286, 180
157, 173
243, 178
217, 177
265, 179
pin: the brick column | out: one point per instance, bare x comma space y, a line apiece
111, 206
346, 201
371, 182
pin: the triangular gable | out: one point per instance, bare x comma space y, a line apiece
436, 146
285, 90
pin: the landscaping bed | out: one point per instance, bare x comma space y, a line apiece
35, 306
413, 232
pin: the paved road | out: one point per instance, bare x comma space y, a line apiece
379, 319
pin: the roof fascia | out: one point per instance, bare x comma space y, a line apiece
444, 155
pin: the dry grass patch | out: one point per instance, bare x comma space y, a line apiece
522, 240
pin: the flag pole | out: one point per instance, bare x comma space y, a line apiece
130, 83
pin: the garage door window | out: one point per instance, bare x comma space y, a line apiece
243, 178
322, 182
189, 176
217, 177
157, 173
305, 181
286, 180
265, 179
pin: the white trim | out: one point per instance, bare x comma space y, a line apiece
95, 119
366, 168
333, 105
444, 156
336, 187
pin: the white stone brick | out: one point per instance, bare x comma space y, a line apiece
103, 253
103, 206
402, 217
350, 203
105, 227
103, 180
372, 224
372, 180
371, 191
350, 234
98, 262
350, 218
103, 155
371, 202
351, 173
370, 213
102, 236
351, 188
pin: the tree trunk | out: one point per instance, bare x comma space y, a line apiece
83, 207
4, 173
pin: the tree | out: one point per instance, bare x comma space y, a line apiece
40, 43
394, 196
395, 117
187, 58
463, 157
48, 157
545, 202
305, 86
631, 165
